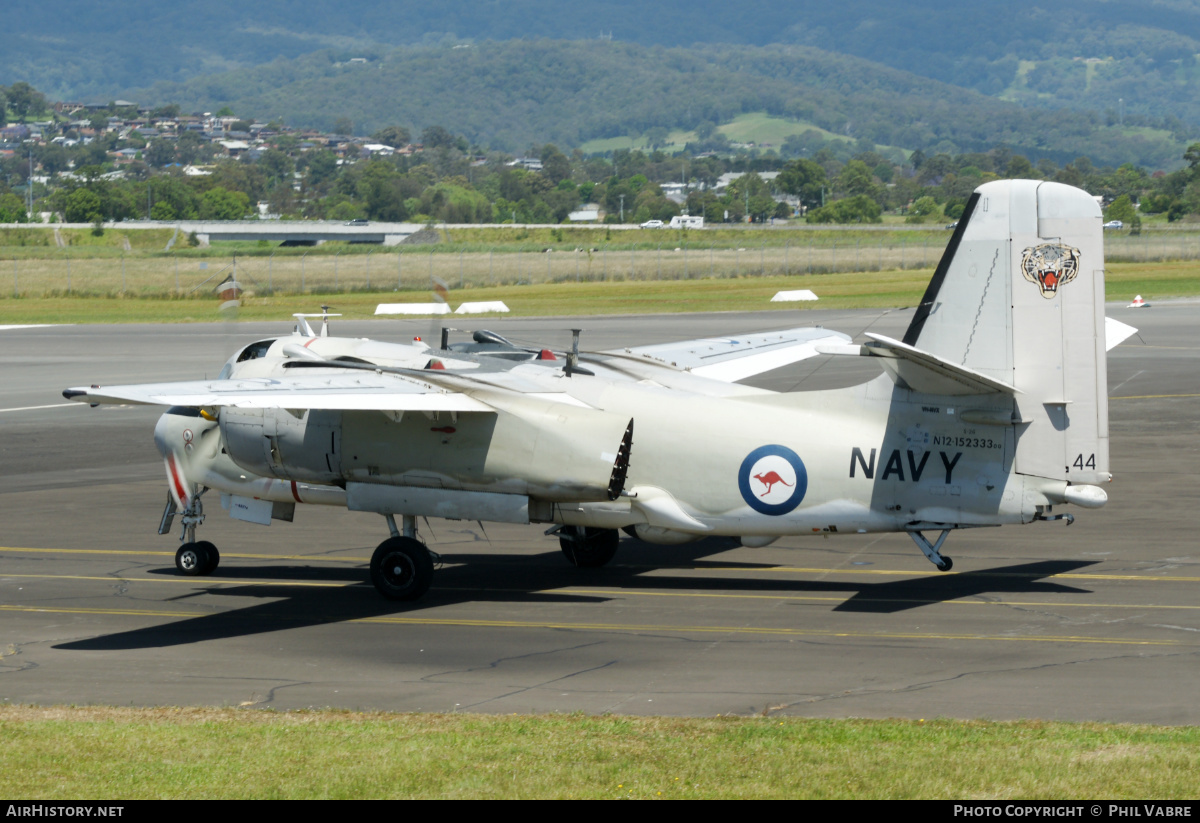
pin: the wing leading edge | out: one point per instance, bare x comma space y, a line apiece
356, 392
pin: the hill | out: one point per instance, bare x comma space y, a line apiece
509, 95
1136, 59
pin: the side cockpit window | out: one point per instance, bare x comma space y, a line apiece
255, 350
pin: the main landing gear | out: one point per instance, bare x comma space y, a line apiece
194, 557
930, 550
588, 547
401, 567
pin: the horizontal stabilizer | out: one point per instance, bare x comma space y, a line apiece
921, 371
1116, 333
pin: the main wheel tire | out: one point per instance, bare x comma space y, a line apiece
401, 568
192, 558
214, 556
586, 547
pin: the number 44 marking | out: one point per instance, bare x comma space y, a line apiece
1081, 465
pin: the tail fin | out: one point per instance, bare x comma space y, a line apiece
1019, 297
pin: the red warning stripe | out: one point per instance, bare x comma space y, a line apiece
178, 484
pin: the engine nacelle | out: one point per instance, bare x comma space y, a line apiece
544, 450
277, 443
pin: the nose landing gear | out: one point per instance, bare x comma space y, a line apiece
193, 558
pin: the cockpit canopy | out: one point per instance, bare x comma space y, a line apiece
250, 352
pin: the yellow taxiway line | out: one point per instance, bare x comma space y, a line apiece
1151, 396
958, 601
939, 575
170, 555
206, 582
721, 569
644, 628
217, 584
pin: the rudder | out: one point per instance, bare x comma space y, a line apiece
1019, 297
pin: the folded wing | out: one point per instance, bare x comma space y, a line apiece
738, 357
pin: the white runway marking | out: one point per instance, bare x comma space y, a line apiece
34, 326
1140, 371
51, 406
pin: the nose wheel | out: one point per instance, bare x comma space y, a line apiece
198, 558
194, 557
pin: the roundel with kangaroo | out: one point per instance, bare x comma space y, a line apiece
773, 480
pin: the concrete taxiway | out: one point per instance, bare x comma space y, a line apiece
1098, 621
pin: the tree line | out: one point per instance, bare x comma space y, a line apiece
453, 180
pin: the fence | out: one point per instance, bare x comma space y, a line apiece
413, 269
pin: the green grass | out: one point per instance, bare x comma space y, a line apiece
129, 754
859, 290
38, 244
676, 140
759, 127
507, 240
752, 127
887, 289
43, 238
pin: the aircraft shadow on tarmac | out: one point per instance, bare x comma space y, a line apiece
500, 578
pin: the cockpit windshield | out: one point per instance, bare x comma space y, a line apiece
251, 352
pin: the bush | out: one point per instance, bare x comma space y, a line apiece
857, 209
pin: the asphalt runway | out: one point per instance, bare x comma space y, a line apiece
1098, 621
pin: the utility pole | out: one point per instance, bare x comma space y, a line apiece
622, 208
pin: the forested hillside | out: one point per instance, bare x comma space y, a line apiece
1117, 81
1143, 53
507, 95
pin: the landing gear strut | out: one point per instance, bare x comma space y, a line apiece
587, 547
402, 568
930, 550
194, 557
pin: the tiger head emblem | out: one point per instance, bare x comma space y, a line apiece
1050, 265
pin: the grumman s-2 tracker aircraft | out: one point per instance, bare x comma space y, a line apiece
992, 410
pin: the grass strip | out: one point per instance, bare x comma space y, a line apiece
103, 753
887, 289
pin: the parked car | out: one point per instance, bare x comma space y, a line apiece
358, 221
953, 225
652, 224
1114, 224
